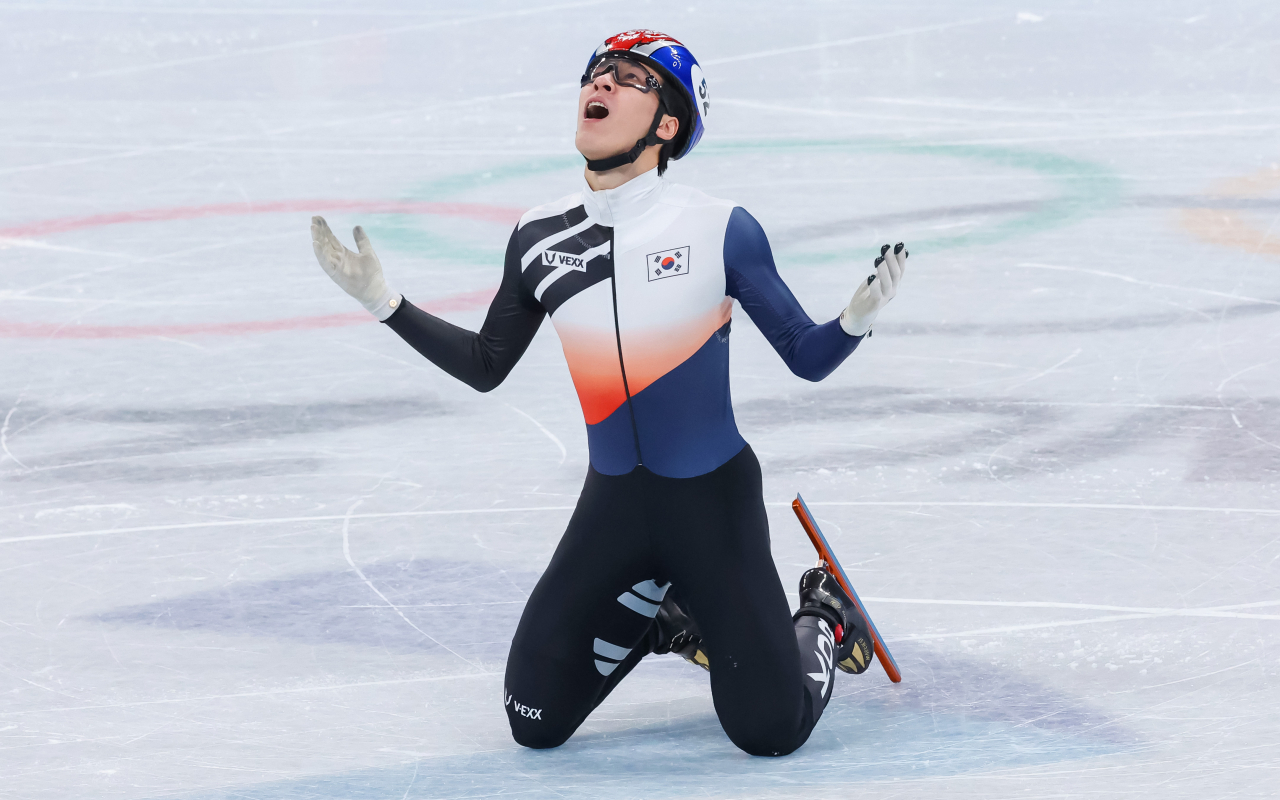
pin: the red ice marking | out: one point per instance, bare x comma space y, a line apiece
47, 330
477, 211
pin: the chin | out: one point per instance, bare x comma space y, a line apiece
592, 150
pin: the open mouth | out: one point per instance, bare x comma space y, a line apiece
596, 110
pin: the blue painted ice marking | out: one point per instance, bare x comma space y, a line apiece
954, 715
459, 603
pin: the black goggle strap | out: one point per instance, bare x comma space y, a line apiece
629, 157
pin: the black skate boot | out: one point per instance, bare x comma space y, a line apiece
822, 597
674, 631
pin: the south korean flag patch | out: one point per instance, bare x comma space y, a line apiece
668, 263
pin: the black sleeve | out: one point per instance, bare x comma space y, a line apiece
480, 360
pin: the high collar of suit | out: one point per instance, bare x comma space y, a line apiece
625, 203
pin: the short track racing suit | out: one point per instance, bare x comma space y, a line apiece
639, 282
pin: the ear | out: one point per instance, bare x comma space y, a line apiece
668, 128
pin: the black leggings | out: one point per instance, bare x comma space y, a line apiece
631, 536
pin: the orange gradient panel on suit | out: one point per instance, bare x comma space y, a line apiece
592, 355
587, 334
651, 352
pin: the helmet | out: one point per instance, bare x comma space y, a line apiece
682, 78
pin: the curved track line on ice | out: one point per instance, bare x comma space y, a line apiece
222, 523
273, 692
346, 552
43, 330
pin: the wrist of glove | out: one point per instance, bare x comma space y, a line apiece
359, 274
877, 290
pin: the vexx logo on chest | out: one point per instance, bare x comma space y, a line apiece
566, 260
667, 263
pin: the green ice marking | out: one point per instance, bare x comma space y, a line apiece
450, 186
411, 233
1084, 189
420, 235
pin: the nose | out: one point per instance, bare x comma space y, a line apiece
604, 82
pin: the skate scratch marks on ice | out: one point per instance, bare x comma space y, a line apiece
1129, 279
530, 509
201, 144
1235, 418
323, 41
852, 40
1035, 626
346, 551
4, 437
262, 693
278, 520
1224, 612
563, 452
1048, 371
1194, 612
22, 235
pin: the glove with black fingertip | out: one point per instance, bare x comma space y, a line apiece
878, 289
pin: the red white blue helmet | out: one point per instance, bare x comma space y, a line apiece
678, 68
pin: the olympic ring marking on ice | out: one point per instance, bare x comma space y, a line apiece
1229, 228
41, 330
48, 330
476, 211
1084, 188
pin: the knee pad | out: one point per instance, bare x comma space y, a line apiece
538, 739
530, 728
768, 731
768, 745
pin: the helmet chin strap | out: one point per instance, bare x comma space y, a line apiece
629, 157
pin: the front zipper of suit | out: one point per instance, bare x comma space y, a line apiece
617, 332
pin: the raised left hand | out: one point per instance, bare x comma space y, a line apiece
877, 290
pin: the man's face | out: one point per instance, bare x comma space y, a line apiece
613, 115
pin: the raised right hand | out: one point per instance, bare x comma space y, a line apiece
358, 274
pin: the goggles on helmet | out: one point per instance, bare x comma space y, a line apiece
626, 72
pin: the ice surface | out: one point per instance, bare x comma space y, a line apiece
252, 546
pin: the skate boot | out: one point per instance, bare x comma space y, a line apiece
821, 596
674, 631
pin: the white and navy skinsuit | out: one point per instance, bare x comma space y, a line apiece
640, 282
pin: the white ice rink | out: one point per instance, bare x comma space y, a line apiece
253, 546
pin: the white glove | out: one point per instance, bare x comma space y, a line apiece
359, 274
875, 291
